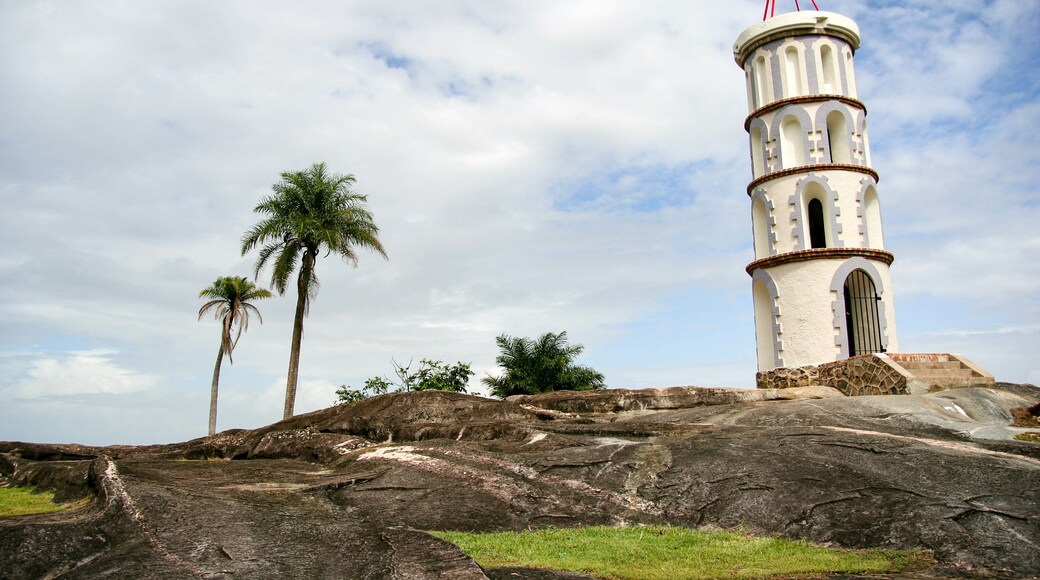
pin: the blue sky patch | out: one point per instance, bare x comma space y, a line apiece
635, 188
384, 53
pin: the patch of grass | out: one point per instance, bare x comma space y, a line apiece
20, 501
667, 553
1031, 436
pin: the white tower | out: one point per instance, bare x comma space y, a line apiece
820, 277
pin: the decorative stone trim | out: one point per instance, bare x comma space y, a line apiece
761, 149
806, 124
741, 54
774, 310
755, 183
770, 219
797, 202
824, 145
801, 100
820, 254
861, 212
862, 146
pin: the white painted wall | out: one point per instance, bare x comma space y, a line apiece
848, 185
808, 335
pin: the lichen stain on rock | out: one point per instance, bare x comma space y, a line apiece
649, 461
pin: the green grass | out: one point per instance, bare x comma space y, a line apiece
20, 501
1032, 436
666, 553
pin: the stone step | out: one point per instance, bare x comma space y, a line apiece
917, 365
904, 358
940, 374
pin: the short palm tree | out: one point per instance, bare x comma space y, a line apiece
310, 212
540, 366
229, 300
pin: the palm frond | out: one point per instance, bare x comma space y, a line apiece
265, 254
209, 305
254, 310
285, 264
231, 307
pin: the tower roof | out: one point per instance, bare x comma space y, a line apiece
794, 24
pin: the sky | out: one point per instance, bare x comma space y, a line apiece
535, 166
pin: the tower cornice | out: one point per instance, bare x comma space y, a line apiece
817, 167
795, 24
776, 105
820, 254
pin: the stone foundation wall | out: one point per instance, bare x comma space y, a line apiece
868, 374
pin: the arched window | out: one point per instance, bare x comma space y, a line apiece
763, 86
829, 86
862, 319
764, 321
792, 143
866, 144
850, 74
760, 227
757, 152
838, 138
817, 225
749, 78
793, 77
815, 217
872, 220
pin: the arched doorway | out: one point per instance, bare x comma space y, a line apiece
862, 320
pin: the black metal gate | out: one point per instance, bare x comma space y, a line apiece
862, 320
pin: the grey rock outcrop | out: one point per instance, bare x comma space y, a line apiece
346, 492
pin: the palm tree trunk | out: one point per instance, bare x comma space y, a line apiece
213, 390
302, 287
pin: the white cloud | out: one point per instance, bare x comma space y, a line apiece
89, 372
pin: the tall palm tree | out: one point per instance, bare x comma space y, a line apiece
229, 299
540, 366
310, 212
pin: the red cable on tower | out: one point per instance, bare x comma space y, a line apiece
770, 9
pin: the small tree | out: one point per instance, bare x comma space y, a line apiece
230, 298
432, 375
310, 213
346, 395
540, 366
